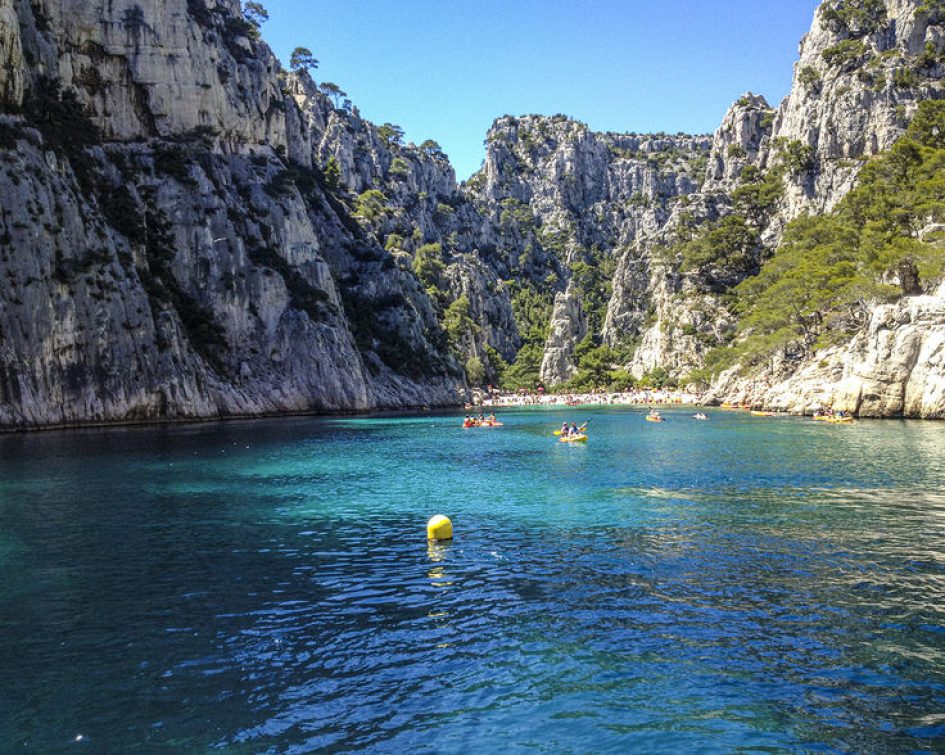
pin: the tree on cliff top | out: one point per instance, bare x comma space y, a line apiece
332, 91
302, 58
255, 14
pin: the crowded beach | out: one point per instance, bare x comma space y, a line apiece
647, 397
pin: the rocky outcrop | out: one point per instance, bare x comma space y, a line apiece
740, 141
568, 327
565, 207
894, 368
856, 86
159, 69
863, 68
12, 80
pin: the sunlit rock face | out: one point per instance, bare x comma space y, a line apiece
189, 231
894, 368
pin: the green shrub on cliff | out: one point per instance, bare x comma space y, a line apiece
457, 323
428, 265
524, 372
845, 53
856, 18
828, 270
596, 367
371, 205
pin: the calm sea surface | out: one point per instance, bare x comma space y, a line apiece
267, 586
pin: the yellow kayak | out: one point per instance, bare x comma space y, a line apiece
574, 439
840, 420
655, 419
763, 414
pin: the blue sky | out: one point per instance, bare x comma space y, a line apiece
445, 69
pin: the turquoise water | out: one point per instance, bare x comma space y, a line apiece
752, 583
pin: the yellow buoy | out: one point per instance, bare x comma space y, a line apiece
440, 528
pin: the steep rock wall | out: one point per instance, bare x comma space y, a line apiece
164, 258
894, 368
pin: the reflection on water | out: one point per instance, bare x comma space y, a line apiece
738, 583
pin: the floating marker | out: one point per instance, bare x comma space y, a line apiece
440, 528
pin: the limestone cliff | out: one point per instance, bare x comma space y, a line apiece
189, 231
564, 207
893, 368
164, 256
863, 68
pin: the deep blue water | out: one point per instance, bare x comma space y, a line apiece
765, 584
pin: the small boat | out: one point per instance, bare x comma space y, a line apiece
654, 418
844, 420
757, 413
573, 439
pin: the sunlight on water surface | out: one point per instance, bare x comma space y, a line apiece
267, 586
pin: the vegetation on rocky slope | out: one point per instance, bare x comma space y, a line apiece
883, 241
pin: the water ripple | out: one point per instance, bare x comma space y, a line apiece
265, 587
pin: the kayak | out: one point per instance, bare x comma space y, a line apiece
573, 439
764, 414
655, 419
840, 420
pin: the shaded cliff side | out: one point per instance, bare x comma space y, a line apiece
168, 250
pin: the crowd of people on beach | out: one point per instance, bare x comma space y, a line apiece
637, 396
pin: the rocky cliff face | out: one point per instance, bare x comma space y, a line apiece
189, 231
893, 368
163, 255
863, 68
565, 207
856, 86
